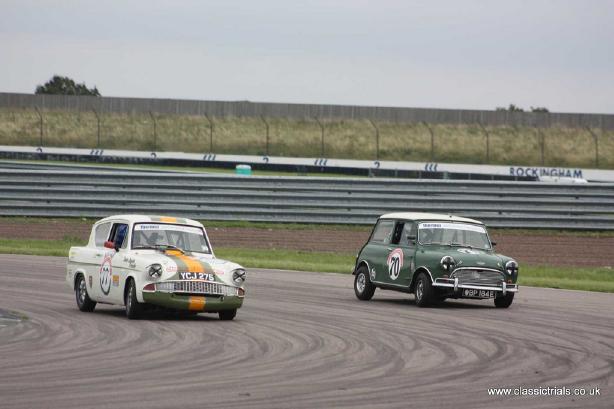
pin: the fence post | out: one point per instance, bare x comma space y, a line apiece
376, 139
40, 116
155, 132
266, 124
432, 141
541, 140
210, 132
596, 139
98, 128
487, 142
322, 129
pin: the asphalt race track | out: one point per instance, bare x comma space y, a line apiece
302, 340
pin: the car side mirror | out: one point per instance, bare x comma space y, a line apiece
494, 243
411, 239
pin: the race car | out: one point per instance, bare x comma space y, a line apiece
142, 261
434, 256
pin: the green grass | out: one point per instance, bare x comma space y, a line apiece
588, 279
38, 247
353, 139
254, 258
290, 259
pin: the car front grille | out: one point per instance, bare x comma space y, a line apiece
197, 287
478, 276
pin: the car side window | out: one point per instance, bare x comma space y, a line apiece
396, 234
409, 229
119, 231
101, 234
382, 232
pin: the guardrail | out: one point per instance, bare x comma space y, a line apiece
94, 193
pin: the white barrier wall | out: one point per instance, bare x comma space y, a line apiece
593, 175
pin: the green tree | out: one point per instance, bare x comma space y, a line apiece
511, 108
539, 109
59, 85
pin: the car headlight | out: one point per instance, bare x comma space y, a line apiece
155, 270
511, 267
448, 263
238, 276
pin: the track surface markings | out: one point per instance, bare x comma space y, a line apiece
301, 340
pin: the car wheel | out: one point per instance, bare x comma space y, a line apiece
504, 301
228, 315
363, 287
424, 291
84, 302
134, 309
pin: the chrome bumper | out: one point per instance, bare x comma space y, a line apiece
453, 283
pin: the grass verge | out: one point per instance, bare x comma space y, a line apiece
581, 278
37, 247
290, 259
343, 138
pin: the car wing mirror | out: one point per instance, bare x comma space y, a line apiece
411, 239
494, 243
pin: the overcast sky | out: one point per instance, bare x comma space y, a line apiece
440, 54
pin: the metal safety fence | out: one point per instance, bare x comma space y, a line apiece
501, 204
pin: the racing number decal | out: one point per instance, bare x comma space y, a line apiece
395, 262
105, 275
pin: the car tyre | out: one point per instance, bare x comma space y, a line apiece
424, 291
363, 287
228, 315
84, 302
134, 309
504, 301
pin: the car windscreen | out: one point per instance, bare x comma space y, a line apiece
159, 235
453, 234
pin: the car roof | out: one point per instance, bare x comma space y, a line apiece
140, 218
428, 216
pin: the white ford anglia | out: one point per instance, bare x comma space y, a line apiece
141, 261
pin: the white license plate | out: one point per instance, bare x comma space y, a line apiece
471, 293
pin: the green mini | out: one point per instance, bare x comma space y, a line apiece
435, 257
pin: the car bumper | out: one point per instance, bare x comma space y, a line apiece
197, 303
454, 284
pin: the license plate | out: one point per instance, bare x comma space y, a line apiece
471, 293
